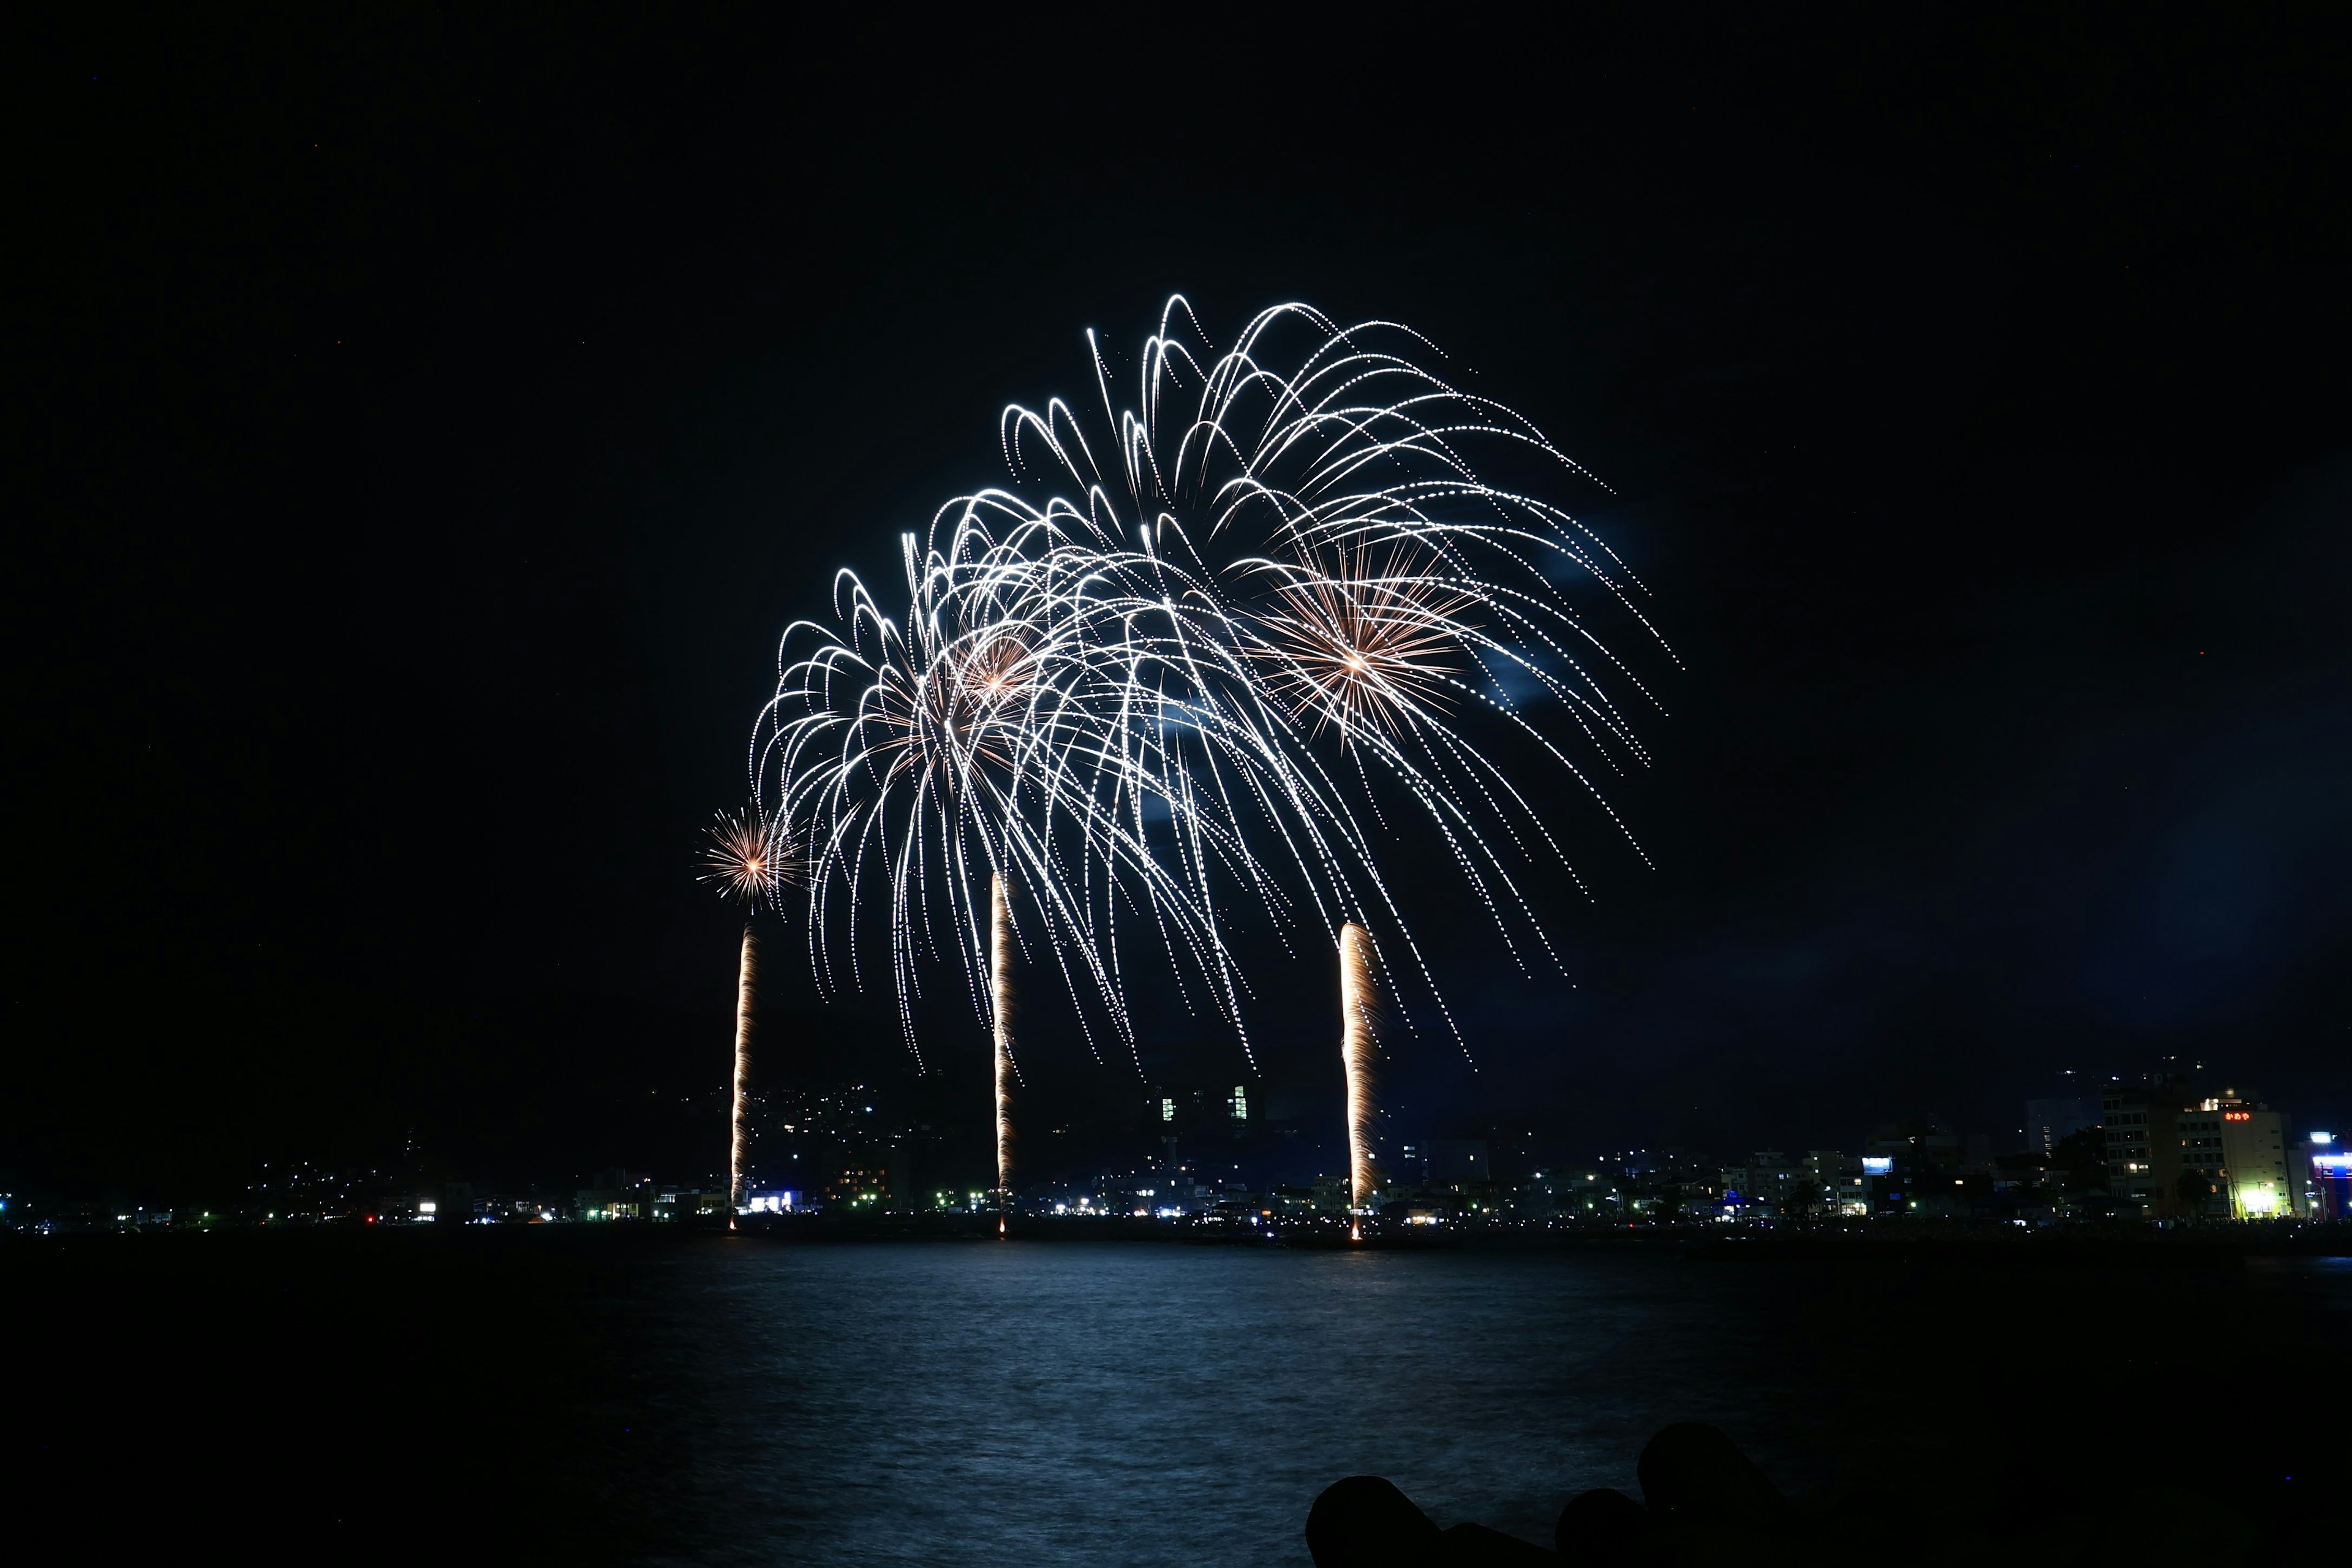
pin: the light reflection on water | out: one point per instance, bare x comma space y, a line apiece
1144, 1403
1024, 1403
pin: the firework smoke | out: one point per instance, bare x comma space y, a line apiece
1356, 961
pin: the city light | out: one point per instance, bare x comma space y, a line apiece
2316, 1138
1878, 1165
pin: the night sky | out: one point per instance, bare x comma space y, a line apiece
429, 424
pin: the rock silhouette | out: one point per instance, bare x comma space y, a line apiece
1364, 1521
1703, 1500
1693, 1474
1476, 1546
1705, 1505
1600, 1529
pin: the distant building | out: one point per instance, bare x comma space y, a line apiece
1921, 1148
1766, 1187
1332, 1193
2238, 1147
2143, 1140
1836, 1182
2049, 1122
1585, 1193
862, 1187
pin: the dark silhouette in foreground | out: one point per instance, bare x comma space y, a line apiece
1701, 1496
1705, 1504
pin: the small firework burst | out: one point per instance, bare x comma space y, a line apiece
747, 858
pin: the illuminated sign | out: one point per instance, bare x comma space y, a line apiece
2237, 1116
1877, 1164
2316, 1138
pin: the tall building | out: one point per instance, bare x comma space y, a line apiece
2143, 1138
2239, 1146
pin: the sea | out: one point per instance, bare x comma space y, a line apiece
562, 1394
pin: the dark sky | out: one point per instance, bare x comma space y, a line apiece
430, 422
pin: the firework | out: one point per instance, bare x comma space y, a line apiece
749, 859
1363, 646
992, 735
1300, 586
1356, 979
745, 859
1313, 540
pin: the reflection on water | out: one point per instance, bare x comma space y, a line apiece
583, 1394
1141, 1404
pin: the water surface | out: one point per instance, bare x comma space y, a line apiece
564, 1395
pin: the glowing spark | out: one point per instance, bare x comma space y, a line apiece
1356, 961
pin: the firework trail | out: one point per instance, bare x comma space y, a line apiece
740, 1125
748, 859
1356, 980
1000, 966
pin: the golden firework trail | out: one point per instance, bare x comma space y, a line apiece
1000, 966
746, 1001
1356, 1045
748, 859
